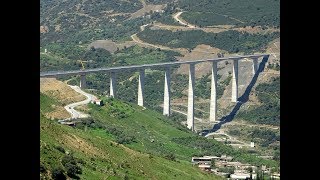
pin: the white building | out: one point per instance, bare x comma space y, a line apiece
252, 144
240, 176
204, 159
205, 166
97, 102
276, 176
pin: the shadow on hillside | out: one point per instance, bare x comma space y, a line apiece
243, 99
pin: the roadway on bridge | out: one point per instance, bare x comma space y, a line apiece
70, 107
121, 68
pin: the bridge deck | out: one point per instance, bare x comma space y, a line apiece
106, 69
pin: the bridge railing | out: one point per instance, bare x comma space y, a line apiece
106, 69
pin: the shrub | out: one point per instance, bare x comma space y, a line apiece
61, 149
42, 168
124, 139
234, 132
170, 157
121, 136
68, 159
126, 177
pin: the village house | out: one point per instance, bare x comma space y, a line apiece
97, 102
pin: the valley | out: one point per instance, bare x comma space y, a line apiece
122, 33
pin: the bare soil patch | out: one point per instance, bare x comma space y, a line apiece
60, 91
146, 9
78, 143
63, 93
110, 46
200, 52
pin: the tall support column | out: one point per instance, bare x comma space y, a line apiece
190, 118
83, 81
213, 100
112, 84
254, 65
234, 81
166, 98
141, 88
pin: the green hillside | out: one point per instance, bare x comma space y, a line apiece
236, 12
231, 41
125, 141
153, 133
70, 26
269, 111
98, 155
74, 22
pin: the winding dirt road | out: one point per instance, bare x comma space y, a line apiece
70, 107
230, 138
181, 21
136, 39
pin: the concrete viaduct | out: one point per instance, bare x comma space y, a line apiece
167, 65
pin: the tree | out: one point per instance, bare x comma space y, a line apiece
276, 155
58, 174
42, 168
61, 149
213, 163
73, 169
249, 169
70, 163
260, 175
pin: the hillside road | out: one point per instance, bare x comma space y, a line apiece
70, 107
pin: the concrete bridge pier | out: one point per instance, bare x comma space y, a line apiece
254, 66
234, 97
83, 83
166, 98
112, 84
190, 117
213, 99
141, 87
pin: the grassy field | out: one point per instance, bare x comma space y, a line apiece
46, 103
